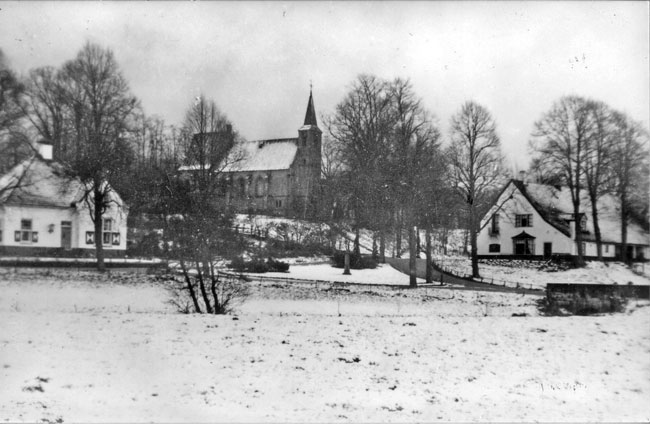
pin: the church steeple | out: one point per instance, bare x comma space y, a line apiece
310, 116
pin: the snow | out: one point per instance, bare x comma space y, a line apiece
80, 347
383, 274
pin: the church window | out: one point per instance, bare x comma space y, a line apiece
259, 187
242, 187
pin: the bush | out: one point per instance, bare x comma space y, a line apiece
356, 261
277, 266
258, 266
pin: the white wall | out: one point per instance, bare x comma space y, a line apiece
42, 218
541, 230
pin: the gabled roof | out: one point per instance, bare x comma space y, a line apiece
37, 182
43, 183
554, 205
263, 155
259, 155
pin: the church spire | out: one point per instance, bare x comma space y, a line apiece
310, 116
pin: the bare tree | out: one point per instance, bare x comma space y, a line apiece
561, 139
361, 127
198, 226
14, 145
630, 167
413, 149
476, 162
597, 164
101, 110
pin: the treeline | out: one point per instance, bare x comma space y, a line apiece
386, 165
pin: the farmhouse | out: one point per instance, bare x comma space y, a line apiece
537, 221
43, 213
275, 176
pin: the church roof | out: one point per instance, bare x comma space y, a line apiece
263, 155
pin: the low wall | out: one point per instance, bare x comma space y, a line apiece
57, 252
564, 290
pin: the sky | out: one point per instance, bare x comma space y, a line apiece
256, 60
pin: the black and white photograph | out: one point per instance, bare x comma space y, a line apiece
324, 211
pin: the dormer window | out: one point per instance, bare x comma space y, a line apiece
583, 223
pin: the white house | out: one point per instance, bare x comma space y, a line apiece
42, 213
536, 220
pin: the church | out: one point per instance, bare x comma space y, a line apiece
276, 176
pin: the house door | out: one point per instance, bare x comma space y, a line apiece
548, 250
66, 235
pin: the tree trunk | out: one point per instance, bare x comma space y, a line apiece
375, 254
190, 287
382, 246
429, 264
398, 237
580, 260
599, 240
357, 247
624, 213
472, 240
204, 293
97, 220
412, 257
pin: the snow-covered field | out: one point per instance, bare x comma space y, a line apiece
383, 274
77, 347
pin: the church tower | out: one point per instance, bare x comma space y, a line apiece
307, 165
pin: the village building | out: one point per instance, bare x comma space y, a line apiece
43, 212
537, 221
274, 176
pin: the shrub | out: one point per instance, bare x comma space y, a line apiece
258, 266
277, 266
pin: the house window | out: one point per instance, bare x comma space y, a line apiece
495, 248
278, 203
26, 235
107, 228
584, 248
583, 223
607, 248
524, 220
524, 247
494, 229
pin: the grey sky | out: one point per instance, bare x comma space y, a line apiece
256, 59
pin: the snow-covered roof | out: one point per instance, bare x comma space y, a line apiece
556, 207
43, 183
264, 155
259, 155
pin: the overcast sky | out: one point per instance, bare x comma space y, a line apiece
256, 60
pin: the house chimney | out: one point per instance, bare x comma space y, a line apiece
522, 176
45, 150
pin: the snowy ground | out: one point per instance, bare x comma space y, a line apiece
80, 347
383, 274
